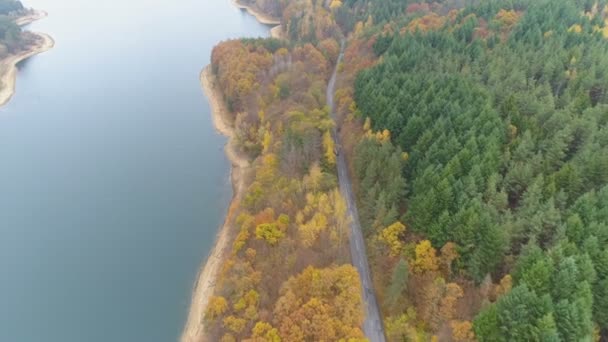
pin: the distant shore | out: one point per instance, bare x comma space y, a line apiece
204, 287
32, 16
263, 18
8, 65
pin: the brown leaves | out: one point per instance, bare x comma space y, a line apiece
462, 331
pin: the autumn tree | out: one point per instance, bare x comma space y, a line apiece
269, 232
462, 331
217, 307
426, 258
320, 305
329, 146
392, 236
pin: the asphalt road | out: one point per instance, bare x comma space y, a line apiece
372, 326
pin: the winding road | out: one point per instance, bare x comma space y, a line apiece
372, 326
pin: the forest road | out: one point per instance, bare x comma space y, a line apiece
372, 325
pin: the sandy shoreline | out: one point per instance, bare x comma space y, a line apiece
263, 18
204, 287
277, 32
8, 66
31, 17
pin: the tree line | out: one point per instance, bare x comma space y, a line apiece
501, 109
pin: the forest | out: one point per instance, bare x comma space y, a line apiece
12, 38
10, 6
287, 276
477, 137
501, 109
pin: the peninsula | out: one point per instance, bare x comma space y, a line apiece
17, 45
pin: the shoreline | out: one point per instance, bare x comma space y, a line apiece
204, 287
261, 17
8, 65
275, 32
31, 17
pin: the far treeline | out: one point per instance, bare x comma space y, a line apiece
477, 135
11, 37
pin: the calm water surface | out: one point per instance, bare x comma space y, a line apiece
113, 181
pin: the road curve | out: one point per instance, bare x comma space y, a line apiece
372, 325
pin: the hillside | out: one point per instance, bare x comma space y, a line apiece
477, 134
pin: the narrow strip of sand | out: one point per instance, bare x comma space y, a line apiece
277, 32
204, 287
8, 65
30, 17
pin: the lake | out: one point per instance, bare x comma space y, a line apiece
113, 180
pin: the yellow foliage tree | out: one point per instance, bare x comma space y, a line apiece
269, 232
576, 28
320, 305
312, 180
358, 29
228, 338
267, 172
340, 214
426, 257
309, 231
329, 146
391, 236
369, 22
383, 136
507, 17
282, 52
240, 241
335, 4
266, 141
367, 126
235, 324
402, 327
265, 332
504, 287
217, 306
